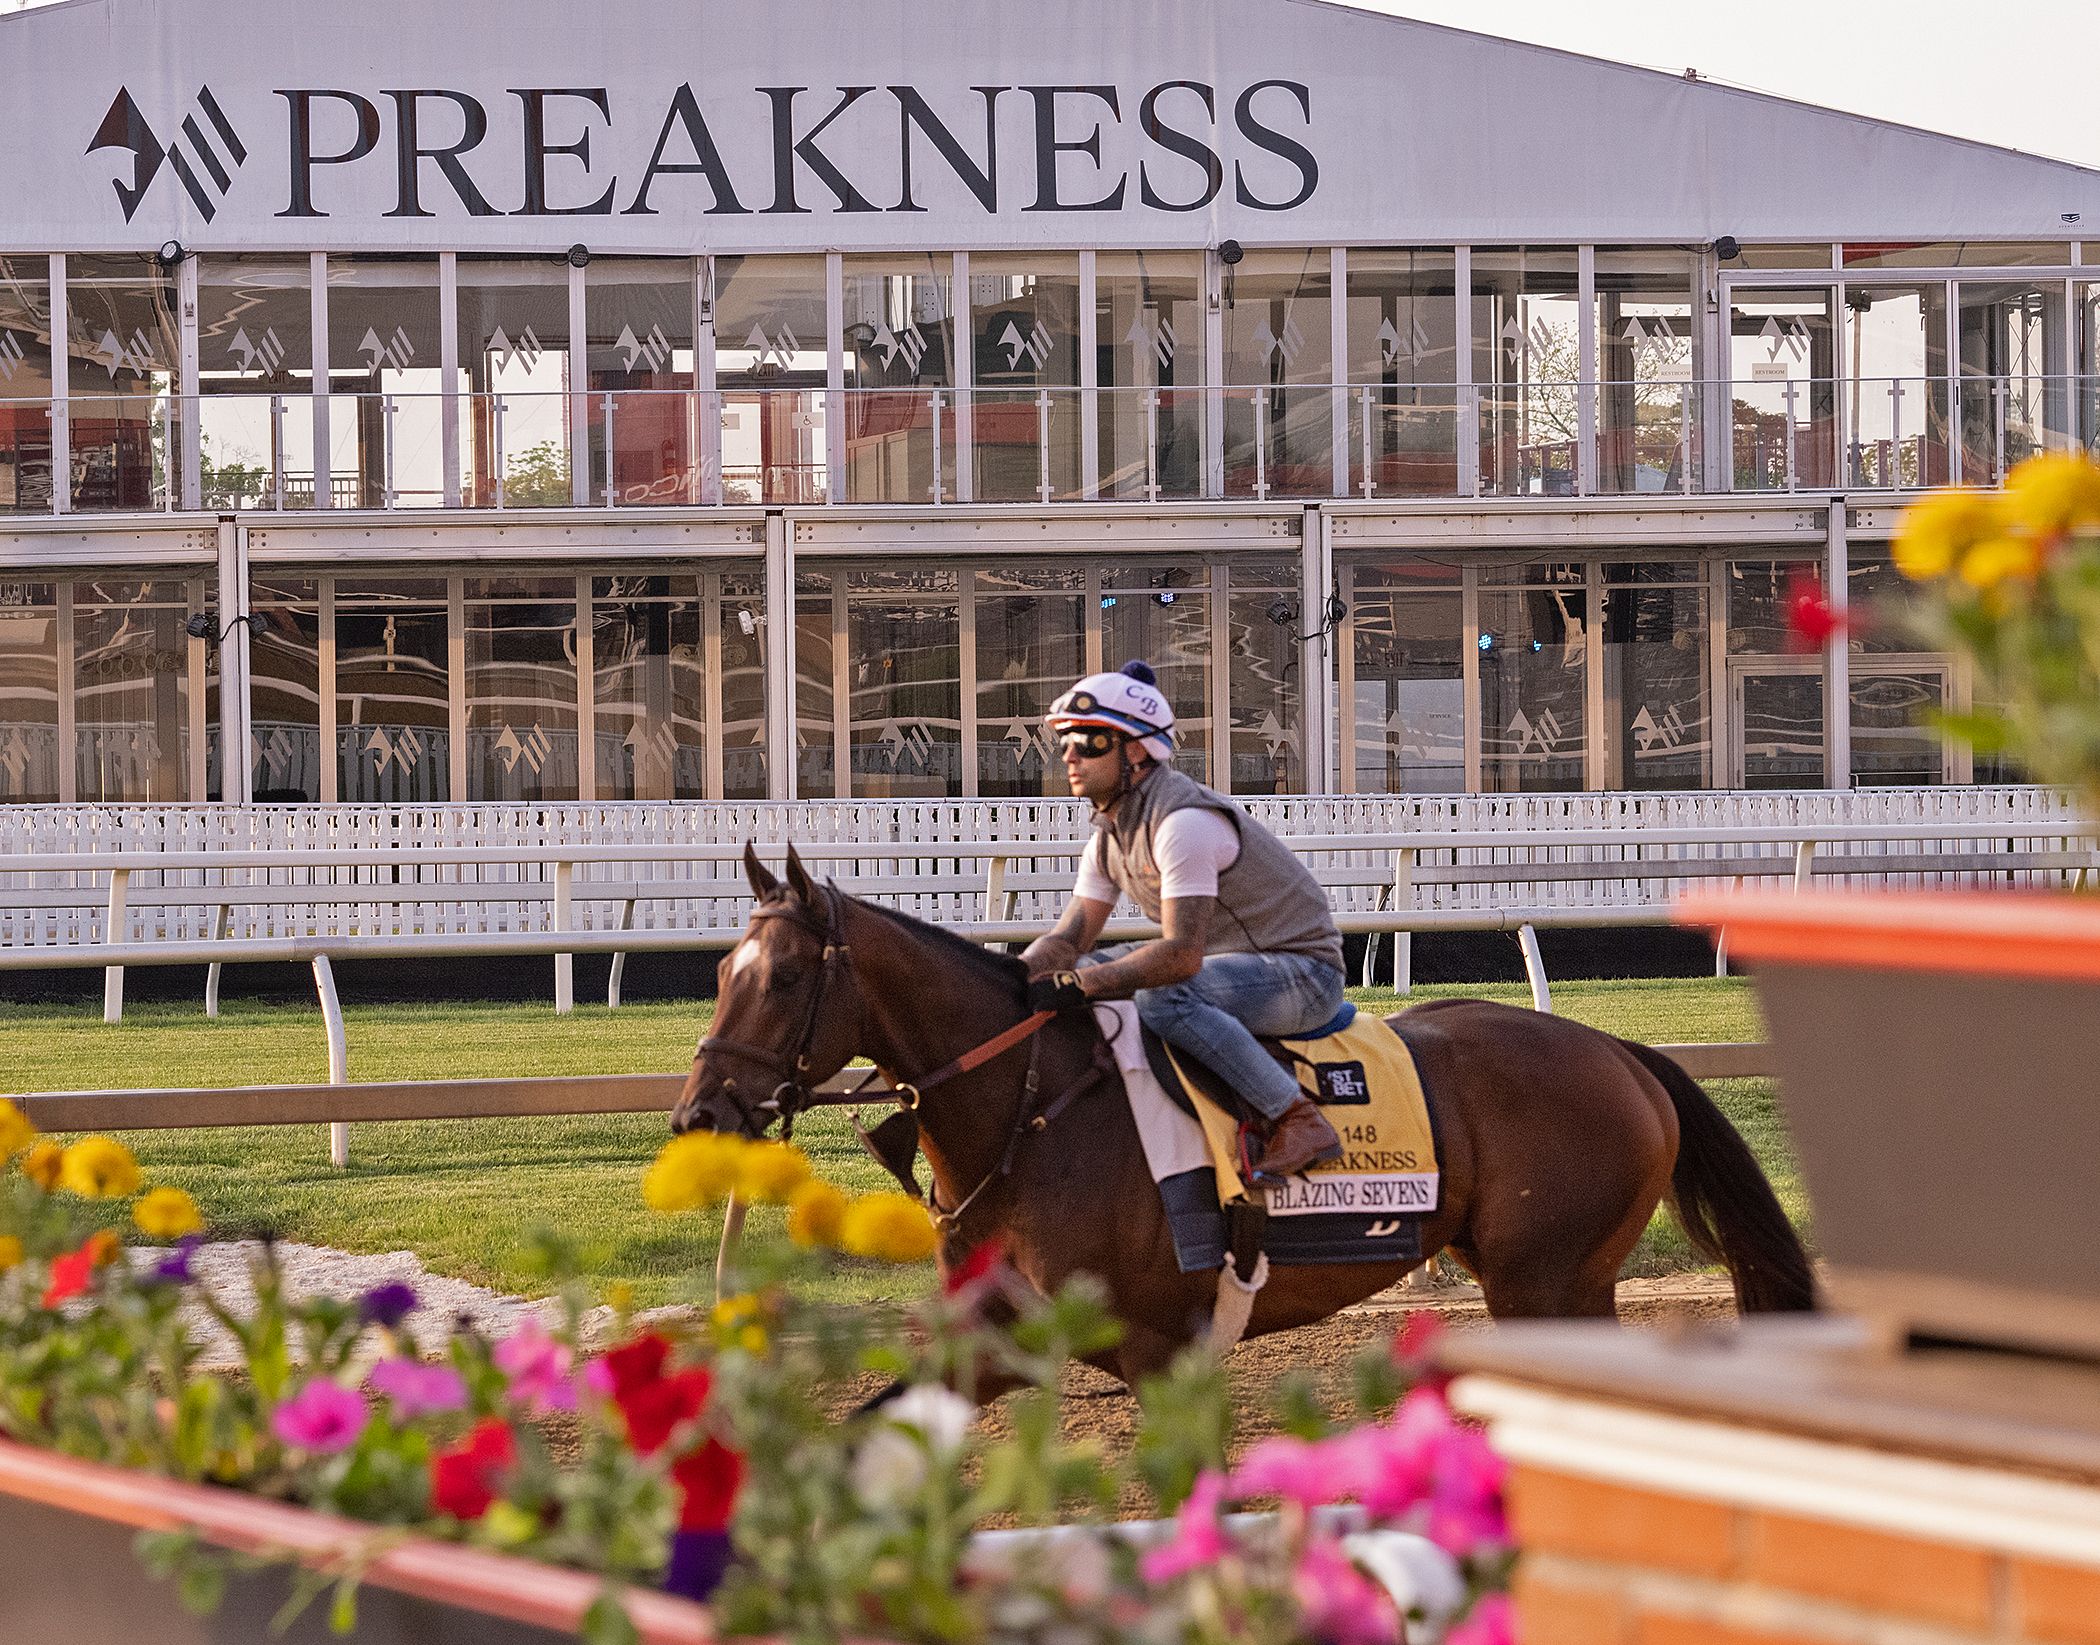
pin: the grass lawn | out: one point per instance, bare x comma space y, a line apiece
464, 1194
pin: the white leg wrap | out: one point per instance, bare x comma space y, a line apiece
1235, 1304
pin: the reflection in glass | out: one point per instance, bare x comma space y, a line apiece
393, 720
1779, 727
1782, 389
255, 381
1527, 362
385, 417
1896, 433
124, 340
650, 682
521, 688
770, 365
1408, 722
1648, 370
2013, 375
743, 710
514, 372
1024, 410
1031, 646
904, 682
1161, 612
285, 689
1894, 742
816, 698
1279, 359
25, 385
29, 665
1533, 655
1148, 328
898, 338
131, 690
1656, 692
1268, 746
1403, 355
638, 316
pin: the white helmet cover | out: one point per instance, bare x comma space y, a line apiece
1129, 701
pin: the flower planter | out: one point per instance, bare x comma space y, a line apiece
70, 1575
1938, 1057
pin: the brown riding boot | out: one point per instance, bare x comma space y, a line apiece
1299, 1137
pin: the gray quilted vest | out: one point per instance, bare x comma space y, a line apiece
1268, 901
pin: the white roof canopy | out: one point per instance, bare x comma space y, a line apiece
656, 125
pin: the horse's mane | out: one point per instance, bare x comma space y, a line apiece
1004, 968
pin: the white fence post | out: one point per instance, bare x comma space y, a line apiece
564, 964
1535, 968
113, 931
221, 919
619, 960
338, 1054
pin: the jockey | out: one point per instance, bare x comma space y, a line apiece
1250, 946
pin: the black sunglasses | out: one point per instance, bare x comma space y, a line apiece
1091, 741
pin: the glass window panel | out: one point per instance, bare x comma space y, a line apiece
1897, 337
29, 692
1403, 349
1779, 727
1811, 254
521, 688
2086, 319
1279, 363
25, 385
392, 677
898, 338
1782, 388
904, 684
1527, 361
651, 688
743, 686
770, 365
285, 688
131, 697
1268, 747
1757, 595
255, 353
1648, 369
1879, 593
1657, 699
1534, 655
1406, 631
2014, 375
124, 339
1161, 612
514, 376
385, 417
816, 729
1960, 254
1024, 409
1031, 646
1894, 743
1149, 336
638, 317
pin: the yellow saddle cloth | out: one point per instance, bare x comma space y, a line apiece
1364, 1080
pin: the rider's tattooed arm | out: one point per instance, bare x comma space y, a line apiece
1059, 948
1174, 957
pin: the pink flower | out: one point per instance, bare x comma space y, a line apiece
1339, 1604
538, 1368
1198, 1539
1465, 1501
1492, 1622
417, 1389
323, 1416
1297, 1470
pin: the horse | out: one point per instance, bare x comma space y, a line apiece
1556, 1141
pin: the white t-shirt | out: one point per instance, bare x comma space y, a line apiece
1193, 847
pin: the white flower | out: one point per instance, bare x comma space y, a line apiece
1420, 1576
889, 1468
921, 1425
942, 1415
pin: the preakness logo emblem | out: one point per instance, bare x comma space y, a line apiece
203, 159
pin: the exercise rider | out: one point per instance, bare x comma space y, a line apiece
1249, 945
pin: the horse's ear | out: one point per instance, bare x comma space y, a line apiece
798, 879
763, 886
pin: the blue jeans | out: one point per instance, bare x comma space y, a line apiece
1216, 1014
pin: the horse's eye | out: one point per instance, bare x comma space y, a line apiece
784, 977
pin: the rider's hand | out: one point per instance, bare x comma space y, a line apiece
1060, 991
1049, 954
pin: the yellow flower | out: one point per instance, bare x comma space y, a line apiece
1937, 528
814, 1214
752, 1339
11, 1252
99, 1168
16, 1133
2054, 493
889, 1228
1996, 559
102, 1247
768, 1173
736, 1323
167, 1213
42, 1164
699, 1168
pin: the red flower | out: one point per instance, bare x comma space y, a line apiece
710, 1478
1810, 617
70, 1274
634, 1364
983, 1258
1414, 1349
465, 1479
656, 1408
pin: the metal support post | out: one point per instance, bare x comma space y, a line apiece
1535, 968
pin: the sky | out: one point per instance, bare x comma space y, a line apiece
2020, 77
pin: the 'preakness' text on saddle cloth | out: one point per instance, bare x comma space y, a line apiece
1366, 1206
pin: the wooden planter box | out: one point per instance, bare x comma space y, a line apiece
1938, 1056
69, 1576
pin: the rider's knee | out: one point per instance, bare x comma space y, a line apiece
1160, 1008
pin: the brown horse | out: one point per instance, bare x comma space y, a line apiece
1557, 1141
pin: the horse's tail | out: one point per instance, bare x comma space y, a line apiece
1727, 1207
